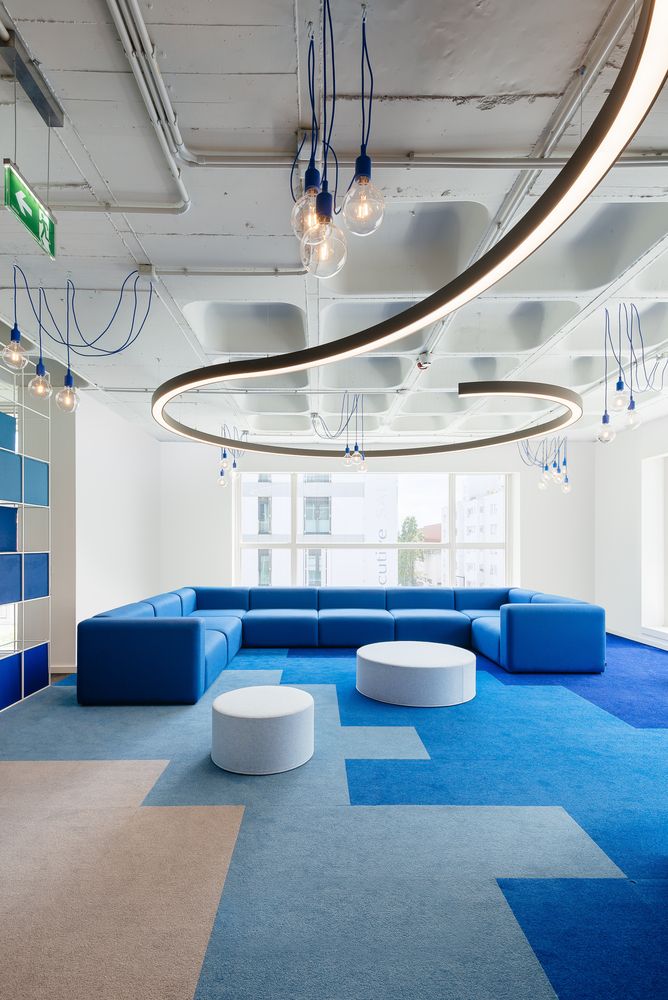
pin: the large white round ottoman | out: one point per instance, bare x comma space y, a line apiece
416, 674
262, 730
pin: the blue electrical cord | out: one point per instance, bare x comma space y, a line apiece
86, 346
314, 119
629, 376
311, 94
293, 168
366, 62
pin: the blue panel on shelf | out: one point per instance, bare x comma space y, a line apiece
35, 669
7, 432
36, 482
35, 575
10, 679
10, 578
8, 529
10, 476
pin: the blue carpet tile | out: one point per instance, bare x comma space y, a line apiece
512, 848
634, 685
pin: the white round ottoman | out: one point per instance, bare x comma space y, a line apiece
416, 674
262, 730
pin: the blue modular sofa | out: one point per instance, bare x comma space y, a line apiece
169, 648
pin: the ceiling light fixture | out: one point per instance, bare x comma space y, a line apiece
304, 210
39, 385
14, 354
556, 394
323, 243
554, 450
638, 83
352, 409
364, 204
634, 376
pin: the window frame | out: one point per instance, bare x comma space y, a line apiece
299, 549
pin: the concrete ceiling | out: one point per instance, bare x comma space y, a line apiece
485, 79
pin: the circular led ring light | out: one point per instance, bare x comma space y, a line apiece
528, 390
637, 86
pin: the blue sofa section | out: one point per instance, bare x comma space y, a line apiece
169, 648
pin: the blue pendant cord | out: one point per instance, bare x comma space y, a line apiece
15, 299
546, 452
328, 126
366, 64
311, 95
86, 348
67, 327
348, 411
653, 380
362, 438
40, 293
605, 356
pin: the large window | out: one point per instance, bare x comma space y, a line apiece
264, 515
344, 529
317, 515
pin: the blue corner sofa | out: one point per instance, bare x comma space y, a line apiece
169, 648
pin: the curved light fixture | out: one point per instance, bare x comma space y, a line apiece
528, 390
636, 88
638, 83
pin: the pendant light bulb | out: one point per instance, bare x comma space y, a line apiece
364, 204
14, 354
357, 455
347, 457
606, 433
222, 479
633, 419
546, 473
326, 257
620, 397
566, 485
234, 471
39, 385
67, 398
304, 212
542, 485
323, 246
362, 467
225, 462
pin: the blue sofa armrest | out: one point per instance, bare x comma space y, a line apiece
140, 661
553, 638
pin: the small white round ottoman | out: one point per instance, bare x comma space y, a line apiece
416, 674
262, 730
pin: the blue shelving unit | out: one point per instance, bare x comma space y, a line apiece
25, 538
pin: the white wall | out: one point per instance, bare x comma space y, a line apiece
63, 540
196, 518
117, 510
618, 549
554, 533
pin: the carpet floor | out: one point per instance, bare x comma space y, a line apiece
513, 848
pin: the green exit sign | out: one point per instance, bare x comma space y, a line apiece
26, 206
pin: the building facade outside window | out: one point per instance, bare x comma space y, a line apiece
264, 567
317, 515
373, 530
264, 515
313, 568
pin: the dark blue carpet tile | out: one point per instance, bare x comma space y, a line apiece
597, 939
325, 653
634, 686
69, 681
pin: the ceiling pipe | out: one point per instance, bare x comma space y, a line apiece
144, 52
172, 208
